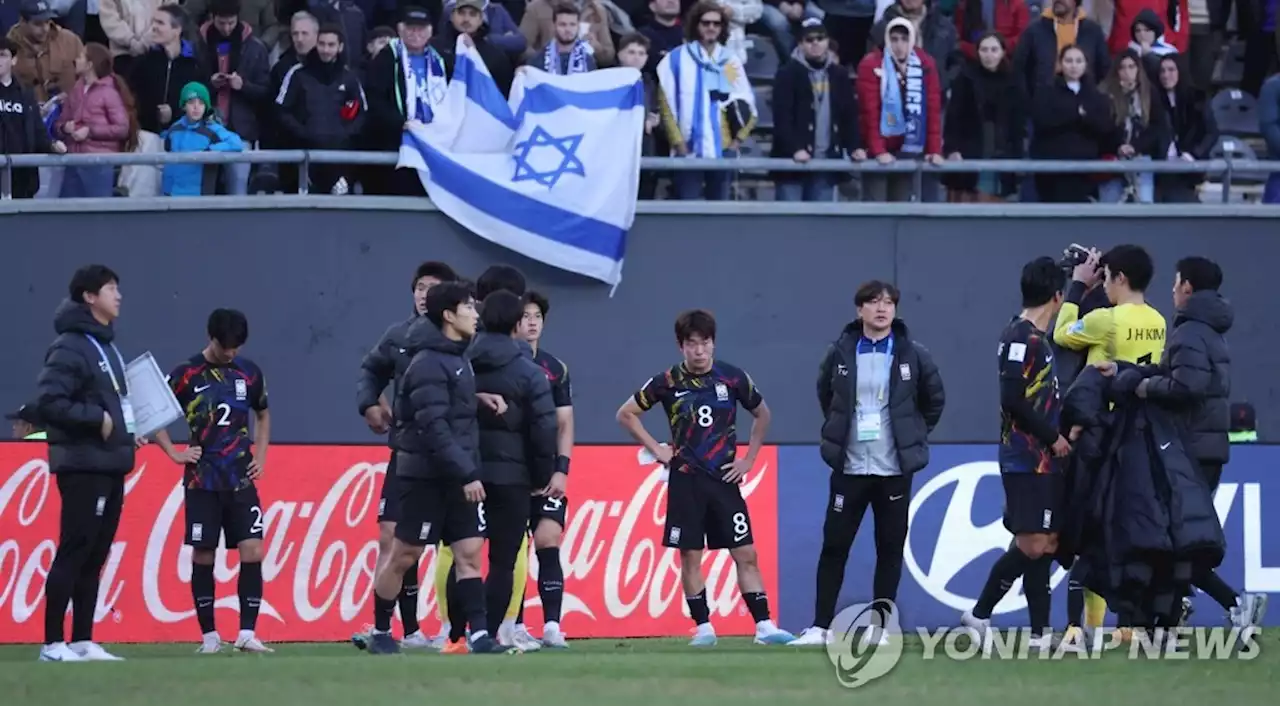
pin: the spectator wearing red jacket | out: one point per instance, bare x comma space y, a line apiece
1174, 14
900, 100
1007, 18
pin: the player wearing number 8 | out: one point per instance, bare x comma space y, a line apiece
1130, 331
705, 507
220, 391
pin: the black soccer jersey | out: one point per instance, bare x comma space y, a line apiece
702, 411
217, 400
558, 375
1025, 357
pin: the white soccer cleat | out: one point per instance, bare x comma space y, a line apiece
441, 639
812, 637
417, 641
875, 637
210, 644
59, 652
978, 629
92, 652
248, 642
553, 638
524, 641
769, 634
1250, 611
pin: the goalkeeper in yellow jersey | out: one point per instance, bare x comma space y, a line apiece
1130, 331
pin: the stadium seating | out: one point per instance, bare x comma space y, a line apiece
1236, 112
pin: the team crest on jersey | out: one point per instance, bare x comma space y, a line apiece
722, 392
242, 390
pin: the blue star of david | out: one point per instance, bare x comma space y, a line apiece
569, 162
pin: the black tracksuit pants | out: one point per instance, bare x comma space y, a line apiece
91, 505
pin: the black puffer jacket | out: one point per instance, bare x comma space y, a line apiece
436, 434
916, 397
1194, 377
384, 365
519, 447
75, 389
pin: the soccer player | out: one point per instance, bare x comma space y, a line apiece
549, 508
1030, 447
1130, 331
705, 507
436, 440
221, 390
382, 366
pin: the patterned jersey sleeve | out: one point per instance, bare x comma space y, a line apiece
654, 392
179, 380
748, 394
1018, 354
258, 391
562, 389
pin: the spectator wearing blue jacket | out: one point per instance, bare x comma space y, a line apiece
1269, 125
197, 131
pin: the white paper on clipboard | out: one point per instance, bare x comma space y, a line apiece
154, 406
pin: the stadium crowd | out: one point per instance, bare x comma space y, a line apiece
920, 80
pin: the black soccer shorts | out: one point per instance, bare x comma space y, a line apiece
436, 510
389, 498
237, 514
1033, 502
543, 508
705, 512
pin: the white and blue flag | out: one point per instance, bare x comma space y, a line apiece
553, 173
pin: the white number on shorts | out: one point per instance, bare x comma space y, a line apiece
484, 524
740, 526
704, 416
256, 527
225, 410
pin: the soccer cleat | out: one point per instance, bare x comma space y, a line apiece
523, 641
703, 636
1250, 611
59, 652
978, 629
812, 637
92, 652
417, 641
382, 643
455, 648
874, 637
552, 637
210, 644
1187, 609
1073, 641
485, 645
361, 639
248, 642
769, 634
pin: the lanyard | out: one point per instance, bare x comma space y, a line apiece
103, 356
881, 380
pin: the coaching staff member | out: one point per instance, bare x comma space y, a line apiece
881, 395
84, 402
517, 448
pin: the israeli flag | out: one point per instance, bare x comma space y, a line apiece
553, 173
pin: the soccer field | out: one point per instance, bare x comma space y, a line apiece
617, 673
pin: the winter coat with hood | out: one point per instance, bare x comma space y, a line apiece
436, 434
1061, 131
259, 14
518, 447
916, 397
936, 37
985, 119
1010, 20
312, 102
74, 390
1193, 379
869, 102
1035, 62
1192, 126
794, 115
242, 54
385, 89
127, 24
504, 33
99, 108
158, 80
1151, 59
384, 365
1169, 18
47, 68
186, 135
500, 66
538, 28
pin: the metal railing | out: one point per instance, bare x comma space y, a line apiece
1225, 168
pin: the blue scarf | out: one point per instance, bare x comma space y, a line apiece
711, 80
899, 118
422, 91
578, 56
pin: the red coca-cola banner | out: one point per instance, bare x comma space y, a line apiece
321, 543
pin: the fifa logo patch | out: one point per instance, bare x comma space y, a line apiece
425, 531
904, 371
722, 392
102, 506
1048, 519
837, 503
242, 391
842, 370
197, 532
674, 538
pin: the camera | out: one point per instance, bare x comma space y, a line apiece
1073, 255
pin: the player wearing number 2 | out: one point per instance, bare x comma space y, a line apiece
705, 507
220, 391
1130, 331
